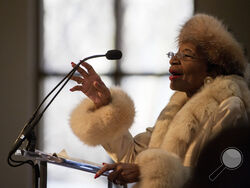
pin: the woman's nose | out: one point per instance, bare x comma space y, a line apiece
174, 61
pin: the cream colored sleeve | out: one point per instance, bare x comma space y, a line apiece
108, 126
126, 147
105, 124
160, 168
231, 112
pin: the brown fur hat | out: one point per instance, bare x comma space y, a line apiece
214, 41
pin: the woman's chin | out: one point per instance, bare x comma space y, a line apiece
175, 86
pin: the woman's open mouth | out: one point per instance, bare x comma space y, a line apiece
175, 74
173, 77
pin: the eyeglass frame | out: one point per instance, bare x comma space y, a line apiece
182, 56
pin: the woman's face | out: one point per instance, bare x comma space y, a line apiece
187, 69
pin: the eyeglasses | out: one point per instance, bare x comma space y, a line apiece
181, 56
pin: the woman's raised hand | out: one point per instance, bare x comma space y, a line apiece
91, 85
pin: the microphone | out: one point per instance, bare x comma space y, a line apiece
113, 54
26, 131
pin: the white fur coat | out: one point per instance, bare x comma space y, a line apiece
178, 135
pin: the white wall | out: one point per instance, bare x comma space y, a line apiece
17, 56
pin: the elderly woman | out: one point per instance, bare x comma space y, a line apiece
211, 93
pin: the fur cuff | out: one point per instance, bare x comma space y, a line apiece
102, 125
161, 169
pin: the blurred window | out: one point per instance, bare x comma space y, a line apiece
145, 30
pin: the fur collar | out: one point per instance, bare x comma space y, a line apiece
182, 119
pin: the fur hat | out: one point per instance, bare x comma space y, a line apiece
215, 42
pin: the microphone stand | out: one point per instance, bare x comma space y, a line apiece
28, 130
31, 146
36, 118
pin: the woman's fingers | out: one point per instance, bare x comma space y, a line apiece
89, 68
76, 88
105, 168
113, 176
78, 79
81, 71
122, 173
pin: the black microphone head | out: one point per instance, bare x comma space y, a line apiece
113, 54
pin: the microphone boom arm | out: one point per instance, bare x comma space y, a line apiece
29, 126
